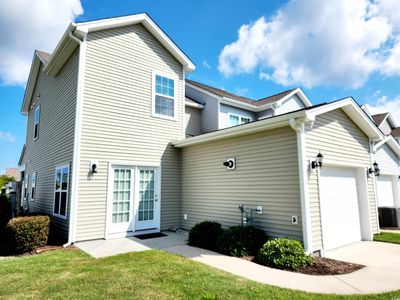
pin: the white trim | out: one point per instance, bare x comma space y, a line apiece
373, 178
154, 94
183, 105
149, 24
77, 143
392, 144
33, 185
30, 86
298, 126
62, 166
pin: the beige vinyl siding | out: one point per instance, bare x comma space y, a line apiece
339, 139
117, 122
266, 174
210, 112
387, 160
192, 121
55, 142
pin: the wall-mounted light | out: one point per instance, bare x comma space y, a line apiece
375, 169
93, 166
230, 164
318, 162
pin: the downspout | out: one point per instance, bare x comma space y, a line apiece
298, 126
77, 138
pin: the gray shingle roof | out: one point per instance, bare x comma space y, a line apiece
223, 93
378, 119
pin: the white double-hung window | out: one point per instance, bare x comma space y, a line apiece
33, 186
36, 124
164, 102
61, 192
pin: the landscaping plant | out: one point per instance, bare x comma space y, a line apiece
29, 232
241, 241
284, 253
204, 235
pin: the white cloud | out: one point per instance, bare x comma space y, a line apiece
28, 25
206, 64
313, 42
7, 137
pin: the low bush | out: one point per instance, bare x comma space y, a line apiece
29, 232
241, 241
284, 253
204, 235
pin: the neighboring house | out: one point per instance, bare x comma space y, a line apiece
107, 155
387, 155
13, 172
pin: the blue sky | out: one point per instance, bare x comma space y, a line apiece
282, 44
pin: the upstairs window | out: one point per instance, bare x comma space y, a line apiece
33, 186
238, 120
36, 124
61, 192
164, 96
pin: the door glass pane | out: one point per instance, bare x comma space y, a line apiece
146, 195
121, 196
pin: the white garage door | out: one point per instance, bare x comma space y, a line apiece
339, 207
385, 191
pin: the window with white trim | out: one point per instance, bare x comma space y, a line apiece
61, 191
33, 186
238, 120
36, 124
25, 188
164, 96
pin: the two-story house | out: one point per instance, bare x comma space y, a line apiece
119, 143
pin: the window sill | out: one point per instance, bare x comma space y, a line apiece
59, 216
159, 116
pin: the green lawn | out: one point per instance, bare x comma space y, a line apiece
71, 274
388, 237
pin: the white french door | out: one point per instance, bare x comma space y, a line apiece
147, 199
134, 199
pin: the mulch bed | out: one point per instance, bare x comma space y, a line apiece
323, 266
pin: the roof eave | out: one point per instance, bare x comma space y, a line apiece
30, 86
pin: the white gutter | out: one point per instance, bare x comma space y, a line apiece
248, 128
77, 139
195, 105
298, 126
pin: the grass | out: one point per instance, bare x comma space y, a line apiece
388, 237
71, 274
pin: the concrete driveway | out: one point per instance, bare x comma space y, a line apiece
382, 261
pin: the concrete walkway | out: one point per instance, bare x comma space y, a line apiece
381, 274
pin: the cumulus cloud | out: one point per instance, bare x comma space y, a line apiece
7, 137
384, 104
28, 25
313, 42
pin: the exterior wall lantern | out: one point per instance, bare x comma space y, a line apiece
318, 162
375, 169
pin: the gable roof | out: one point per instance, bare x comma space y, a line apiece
223, 93
229, 98
379, 118
396, 132
391, 142
76, 32
348, 105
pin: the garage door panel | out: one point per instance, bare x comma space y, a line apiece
384, 186
339, 207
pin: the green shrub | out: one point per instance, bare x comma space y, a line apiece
29, 232
204, 235
241, 241
284, 253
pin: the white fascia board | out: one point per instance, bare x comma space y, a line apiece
150, 25
253, 127
391, 143
30, 86
355, 113
391, 120
299, 92
194, 105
